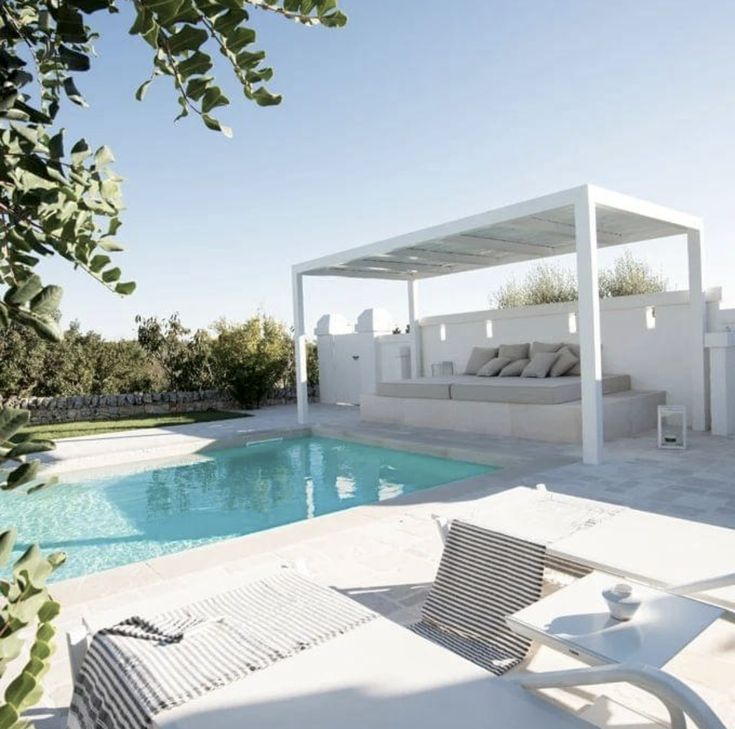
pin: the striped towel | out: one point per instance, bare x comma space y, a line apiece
483, 577
127, 677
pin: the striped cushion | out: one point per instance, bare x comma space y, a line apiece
483, 577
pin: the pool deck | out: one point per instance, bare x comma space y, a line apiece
385, 555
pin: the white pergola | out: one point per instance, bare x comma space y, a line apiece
581, 219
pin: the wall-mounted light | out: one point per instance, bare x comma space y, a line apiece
572, 323
443, 332
489, 328
650, 317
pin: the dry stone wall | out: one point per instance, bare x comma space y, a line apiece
111, 407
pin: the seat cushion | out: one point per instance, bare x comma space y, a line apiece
478, 357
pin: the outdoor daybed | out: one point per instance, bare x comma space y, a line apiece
530, 390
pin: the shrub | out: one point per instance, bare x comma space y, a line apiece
253, 358
628, 276
549, 284
186, 361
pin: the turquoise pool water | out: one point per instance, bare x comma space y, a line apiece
104, 522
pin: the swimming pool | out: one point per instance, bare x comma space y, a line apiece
104, 522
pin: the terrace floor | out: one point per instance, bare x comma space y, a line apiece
386, 555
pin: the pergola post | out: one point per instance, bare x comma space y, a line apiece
299, 337
585, 219
413, 320
698, 312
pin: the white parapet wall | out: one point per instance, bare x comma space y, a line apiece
647, 337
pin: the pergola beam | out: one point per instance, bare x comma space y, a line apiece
581, 219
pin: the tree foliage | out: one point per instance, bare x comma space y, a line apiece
252, 358
81, 363
549, 284
186, 361
62, 198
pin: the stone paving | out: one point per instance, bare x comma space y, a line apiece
385, 555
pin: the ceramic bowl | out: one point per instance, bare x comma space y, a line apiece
621, 601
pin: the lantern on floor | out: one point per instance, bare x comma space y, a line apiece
672, 426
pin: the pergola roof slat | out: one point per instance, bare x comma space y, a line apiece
537, 228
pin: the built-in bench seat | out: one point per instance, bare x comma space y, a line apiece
523, 390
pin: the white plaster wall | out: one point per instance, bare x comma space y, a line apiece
391, 359
656, 359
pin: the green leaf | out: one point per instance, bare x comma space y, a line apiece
49, 610
21, 295
91, 6
263, 97
79, 152
7, 540
213, 97
141, 91
125, 288
29, 447
23, 474
196, 65
109, 245
56, 145
239, 38
112, 274
188, 38
19, 688
103, 156
212, 123
73, 60
70, 25
48, 301
75, 96
11, 421
8, 716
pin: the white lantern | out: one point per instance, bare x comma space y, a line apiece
672, 426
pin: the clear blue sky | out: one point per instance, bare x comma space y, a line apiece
418, 112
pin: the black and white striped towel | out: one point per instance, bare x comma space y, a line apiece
125, 680
483, 577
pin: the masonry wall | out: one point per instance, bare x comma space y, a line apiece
110, 407
647, 337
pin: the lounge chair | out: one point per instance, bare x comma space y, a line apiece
382, 675
483, 577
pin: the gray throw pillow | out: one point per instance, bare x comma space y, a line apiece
538, 347
478, 357
513, 351
493, 367
540, 364
565, 361
576, 370
514, 369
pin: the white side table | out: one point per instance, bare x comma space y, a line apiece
575, 620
